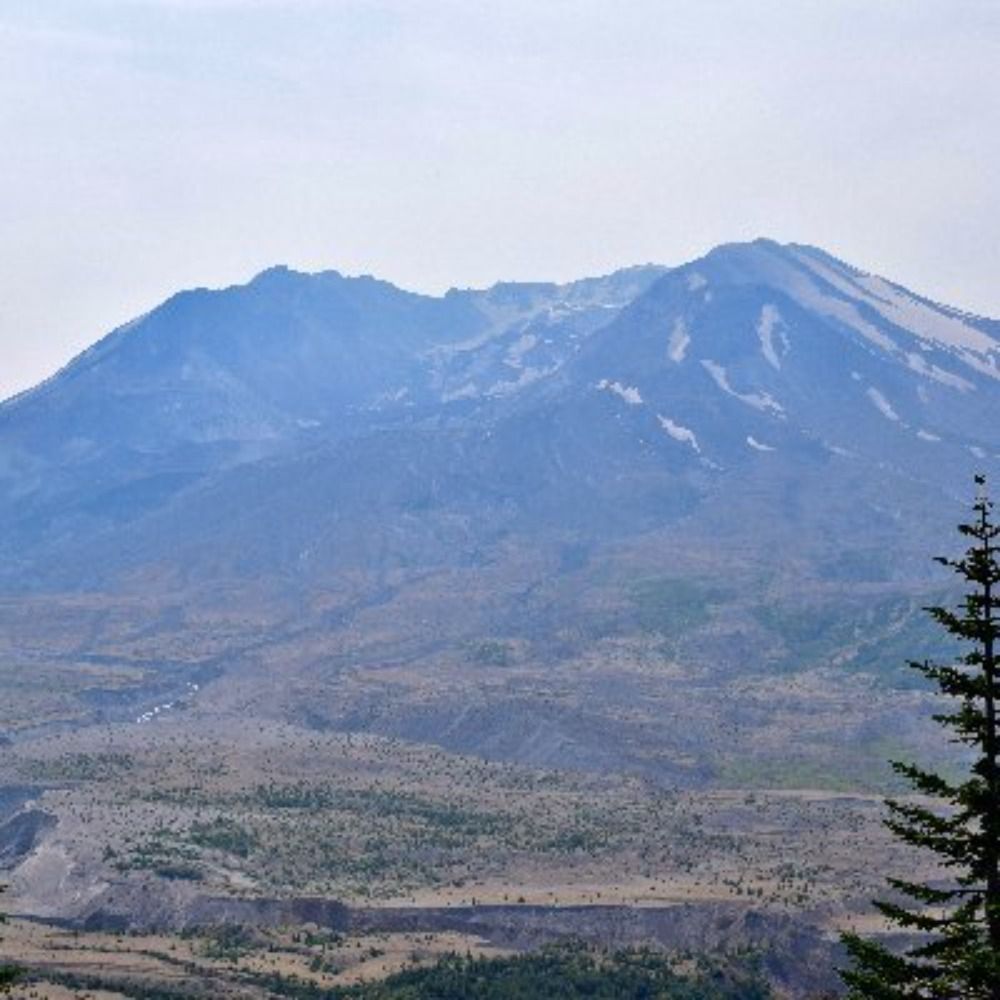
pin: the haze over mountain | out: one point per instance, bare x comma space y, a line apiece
302, 425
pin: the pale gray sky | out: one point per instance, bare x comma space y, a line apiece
150, 145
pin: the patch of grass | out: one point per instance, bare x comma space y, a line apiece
671, 606
80, 767
876, 638
223, 834
379, 802
491, 653
178, 872
228, 942
781, 773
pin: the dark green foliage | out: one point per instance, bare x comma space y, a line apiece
491, 653
9, 974
873, 638
223, 834
228, 941
956, 924
137, 990
82, 767
670, 606
178, 872
567, 972
379, 801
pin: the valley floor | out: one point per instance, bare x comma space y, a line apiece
216, 822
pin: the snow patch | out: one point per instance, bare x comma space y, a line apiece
882, 404
922, 320
977, 451
758, 400
679, 340
757, 445
927, 436
679, 432
921, 366
696, 281
526, 377
629, 393
467, 391
516, 352
802, 286
766, 328
151, 714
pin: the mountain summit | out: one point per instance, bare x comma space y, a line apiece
346, 417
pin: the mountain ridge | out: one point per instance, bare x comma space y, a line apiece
679, 382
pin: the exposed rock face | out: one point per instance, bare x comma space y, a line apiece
20, 834
795, 955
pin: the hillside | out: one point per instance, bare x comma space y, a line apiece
580, 595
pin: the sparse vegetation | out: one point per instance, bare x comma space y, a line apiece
569, 972
9, 973
669, 606
492, 653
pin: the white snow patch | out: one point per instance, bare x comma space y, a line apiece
467, 391
922, 367
927, 436
767, 327
803, 289
924, 320
629, 393
758, 400
152, 713
386, 398
977, 451
525, 377
679, 432
516, 352
696, 281
757, 445
882, 404
848, 314
679, 340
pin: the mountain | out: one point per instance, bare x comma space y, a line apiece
210, 381
531, 610
740, 466
607, 405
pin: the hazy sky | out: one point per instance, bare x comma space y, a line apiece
149, 145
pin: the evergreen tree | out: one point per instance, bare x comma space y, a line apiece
957, 924
8, 973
